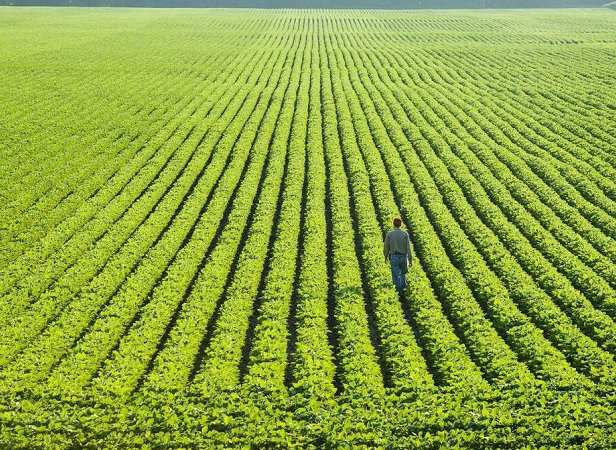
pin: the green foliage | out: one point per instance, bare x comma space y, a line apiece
192, 208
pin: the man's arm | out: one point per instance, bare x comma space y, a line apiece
408, 249
386, 247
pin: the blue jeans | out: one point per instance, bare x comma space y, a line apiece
399, 267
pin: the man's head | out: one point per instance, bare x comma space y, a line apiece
397, 222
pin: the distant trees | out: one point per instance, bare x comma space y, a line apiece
382, 4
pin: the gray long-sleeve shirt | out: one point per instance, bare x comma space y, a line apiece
397, 241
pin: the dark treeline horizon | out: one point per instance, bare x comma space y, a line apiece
343, 4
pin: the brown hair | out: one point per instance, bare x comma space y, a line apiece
397, 222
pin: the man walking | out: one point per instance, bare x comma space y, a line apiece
397, 251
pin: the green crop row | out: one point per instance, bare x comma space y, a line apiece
192, 213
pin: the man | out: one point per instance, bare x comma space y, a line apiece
397, 251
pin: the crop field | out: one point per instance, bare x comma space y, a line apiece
192, 211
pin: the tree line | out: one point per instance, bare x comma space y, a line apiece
383, 4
